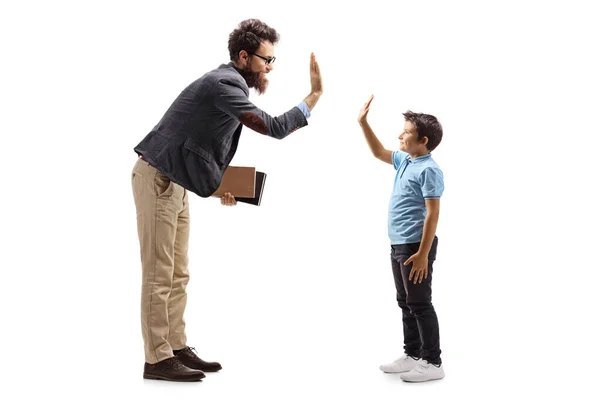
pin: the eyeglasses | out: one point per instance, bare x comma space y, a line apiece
268, 60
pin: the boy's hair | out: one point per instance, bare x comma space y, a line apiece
248, 36
427, 126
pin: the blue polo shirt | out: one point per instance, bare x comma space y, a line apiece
417, 179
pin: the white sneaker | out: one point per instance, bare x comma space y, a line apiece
423, 372
403, 364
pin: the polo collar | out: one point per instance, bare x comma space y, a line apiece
419, 159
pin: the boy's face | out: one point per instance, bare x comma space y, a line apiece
409, 140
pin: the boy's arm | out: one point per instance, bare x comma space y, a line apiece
374, 144
431, 221
420, 260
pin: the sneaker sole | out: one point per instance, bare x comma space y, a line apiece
394, 372
381, 367
426, 380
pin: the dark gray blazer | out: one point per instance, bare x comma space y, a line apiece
197, 137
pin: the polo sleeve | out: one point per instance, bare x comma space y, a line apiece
432, 183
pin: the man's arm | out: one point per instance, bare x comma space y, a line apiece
233, 100
374, 144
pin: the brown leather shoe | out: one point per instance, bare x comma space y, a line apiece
172, 369
191, 360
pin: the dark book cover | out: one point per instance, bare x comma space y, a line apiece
259, 186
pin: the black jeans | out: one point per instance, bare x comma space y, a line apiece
421, 329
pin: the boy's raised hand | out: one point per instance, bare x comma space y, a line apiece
364, 111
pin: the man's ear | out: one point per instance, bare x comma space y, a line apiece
244, 58
425, 140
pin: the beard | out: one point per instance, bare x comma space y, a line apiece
256, 80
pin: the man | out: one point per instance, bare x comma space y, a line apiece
189, 150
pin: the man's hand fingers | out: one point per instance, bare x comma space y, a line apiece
228, 200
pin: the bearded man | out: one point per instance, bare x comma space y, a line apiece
189, 150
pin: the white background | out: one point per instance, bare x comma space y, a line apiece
296, 298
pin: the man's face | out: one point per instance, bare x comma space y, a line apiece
257, 68
409, 140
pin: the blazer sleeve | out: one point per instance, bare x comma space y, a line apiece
233, 100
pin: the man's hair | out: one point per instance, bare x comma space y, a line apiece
248, 36
426, 126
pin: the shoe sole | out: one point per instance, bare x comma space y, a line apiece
427, 380
395, 372
204, 369
162, 378
212, 370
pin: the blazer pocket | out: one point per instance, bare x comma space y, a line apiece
191, 145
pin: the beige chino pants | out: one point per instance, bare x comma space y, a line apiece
163, 221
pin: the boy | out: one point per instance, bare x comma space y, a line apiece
413, 216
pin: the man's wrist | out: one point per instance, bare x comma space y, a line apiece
304, 108
312, 99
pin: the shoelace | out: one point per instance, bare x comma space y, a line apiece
190, 351
405, 357
425, 366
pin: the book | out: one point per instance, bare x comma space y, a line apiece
239, 181
261, 177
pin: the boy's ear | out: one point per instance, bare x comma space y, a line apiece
425, 140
